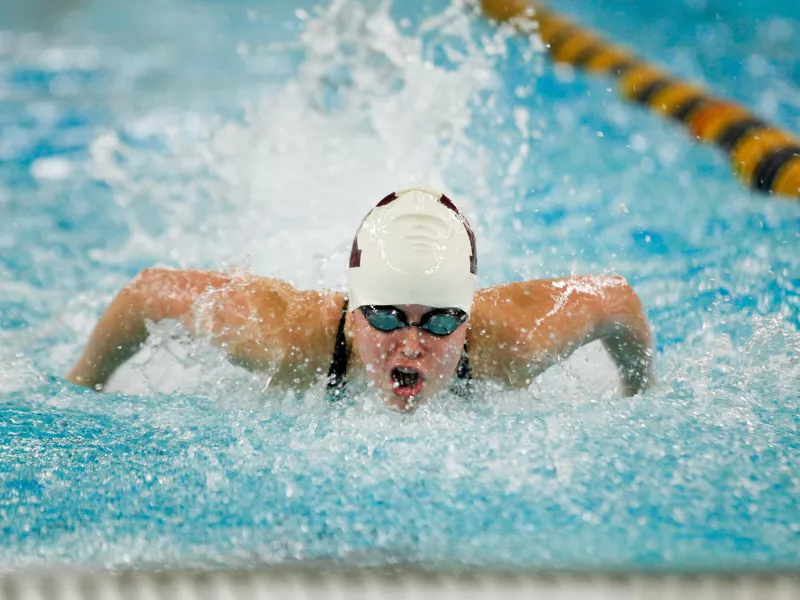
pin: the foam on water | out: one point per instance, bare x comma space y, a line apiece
191, 461
281, 188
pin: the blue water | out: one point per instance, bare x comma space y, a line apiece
255, 135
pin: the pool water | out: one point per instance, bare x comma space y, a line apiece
254, 135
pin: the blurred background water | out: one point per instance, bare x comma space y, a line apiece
254, 135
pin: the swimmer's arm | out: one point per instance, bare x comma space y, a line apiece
249, 317
521, 329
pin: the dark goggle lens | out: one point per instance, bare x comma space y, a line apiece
438, 322
383, 320
443, 323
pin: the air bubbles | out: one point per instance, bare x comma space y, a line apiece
647, 165
52, 168
638, 142
777, 30
564, 73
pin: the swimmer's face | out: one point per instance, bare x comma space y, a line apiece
408, 365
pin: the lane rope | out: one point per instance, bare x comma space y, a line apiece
764, 157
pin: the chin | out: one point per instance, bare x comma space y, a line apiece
404, 405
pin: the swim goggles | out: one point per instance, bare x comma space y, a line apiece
439, 321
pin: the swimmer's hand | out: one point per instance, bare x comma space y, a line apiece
626, 336
634, 359
118, 335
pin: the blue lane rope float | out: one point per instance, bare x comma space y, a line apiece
764, 157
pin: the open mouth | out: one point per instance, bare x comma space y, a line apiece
406, 381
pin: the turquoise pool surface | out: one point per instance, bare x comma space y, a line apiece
254, 135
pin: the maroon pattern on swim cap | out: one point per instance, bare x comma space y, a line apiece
473, 257
390, 198
355, 254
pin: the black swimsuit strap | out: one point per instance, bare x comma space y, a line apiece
337, 374
463, 370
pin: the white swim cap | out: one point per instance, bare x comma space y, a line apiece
414, 247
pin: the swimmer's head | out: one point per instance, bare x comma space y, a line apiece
414, 247
413, 261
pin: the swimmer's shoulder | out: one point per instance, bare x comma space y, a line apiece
298, 325
314, 313
538, 295
268, 311
519, 321
515, 326
495, 320
501, 303
310, 332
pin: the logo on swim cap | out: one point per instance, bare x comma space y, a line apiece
414, 247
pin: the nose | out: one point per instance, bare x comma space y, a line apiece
411, 344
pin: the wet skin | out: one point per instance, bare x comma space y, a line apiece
514, 333
434, 358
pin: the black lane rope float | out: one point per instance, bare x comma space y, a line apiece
763, 156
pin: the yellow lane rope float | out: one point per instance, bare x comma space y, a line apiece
763, 156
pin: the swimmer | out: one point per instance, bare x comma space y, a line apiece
410, 323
